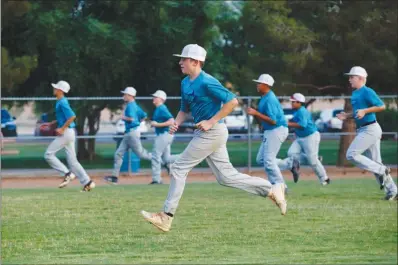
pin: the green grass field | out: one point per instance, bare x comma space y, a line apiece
343, 223
32, 154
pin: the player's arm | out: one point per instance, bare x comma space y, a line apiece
70, 115
128, 114
167, 123
226, 109
294, 125
68, 122
345, 115
260, 116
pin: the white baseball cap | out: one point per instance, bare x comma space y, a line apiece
130, 91
193, 51
357, 70
265, 79
298, 97
160, 94
62, 85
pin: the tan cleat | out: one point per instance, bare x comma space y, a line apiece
89, 186
277, 195
160, 220
68, 178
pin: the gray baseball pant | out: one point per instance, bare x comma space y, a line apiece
67, 141
212, 146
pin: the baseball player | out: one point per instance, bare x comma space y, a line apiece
161, 120
209, 102
274, 124
306, 145
133, 115
66, 137
364, 150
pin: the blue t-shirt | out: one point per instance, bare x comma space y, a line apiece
269, 105
64, 112
364, 98
203, 97
133, 111
161, 114
304, 118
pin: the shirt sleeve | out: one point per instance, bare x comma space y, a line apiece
67, 110
217, 91
129, 111
301, 119
140, 113
183, 105
166, 114
373, 99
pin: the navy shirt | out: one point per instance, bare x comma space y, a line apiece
64, 112
203, 97
269, 105
364, 98
161, 114
303, 118
136, 113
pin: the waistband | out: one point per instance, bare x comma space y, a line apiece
367, 123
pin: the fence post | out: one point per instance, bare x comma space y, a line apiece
249, 135
129, 161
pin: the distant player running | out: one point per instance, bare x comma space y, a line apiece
132, 117
209, 102
305, 147
364, 151
66, 137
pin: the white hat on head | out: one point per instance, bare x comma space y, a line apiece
193, 51
160, 94
265, 79
62, 85
298, 97
130, 91
357, 70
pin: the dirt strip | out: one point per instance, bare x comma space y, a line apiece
197, 175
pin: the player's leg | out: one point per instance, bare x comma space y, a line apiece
160, 144
271, 145
202, 145
73, 163
57, 144
366, 137
310, 147
386, 182
228, 176
136, 146
118, 160
167, 157
292, 162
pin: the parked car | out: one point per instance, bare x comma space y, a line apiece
328, 121
236, 121
8, 125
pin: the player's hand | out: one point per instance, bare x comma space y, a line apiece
360, 113
341, 116
251, 111
59, 131
127, 118
173, 128
154, 123
204, 125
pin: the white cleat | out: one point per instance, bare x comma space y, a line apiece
160, 220
68, 178
277, 195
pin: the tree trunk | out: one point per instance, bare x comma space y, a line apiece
82, 152
345, 140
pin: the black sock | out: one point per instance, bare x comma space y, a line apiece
170, 214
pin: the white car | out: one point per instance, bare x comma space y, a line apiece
328, 120
121, 127
236, 121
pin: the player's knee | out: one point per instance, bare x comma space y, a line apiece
350, 155
47, 156
269, 164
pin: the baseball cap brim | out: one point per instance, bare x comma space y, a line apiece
54, 85
179, 55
